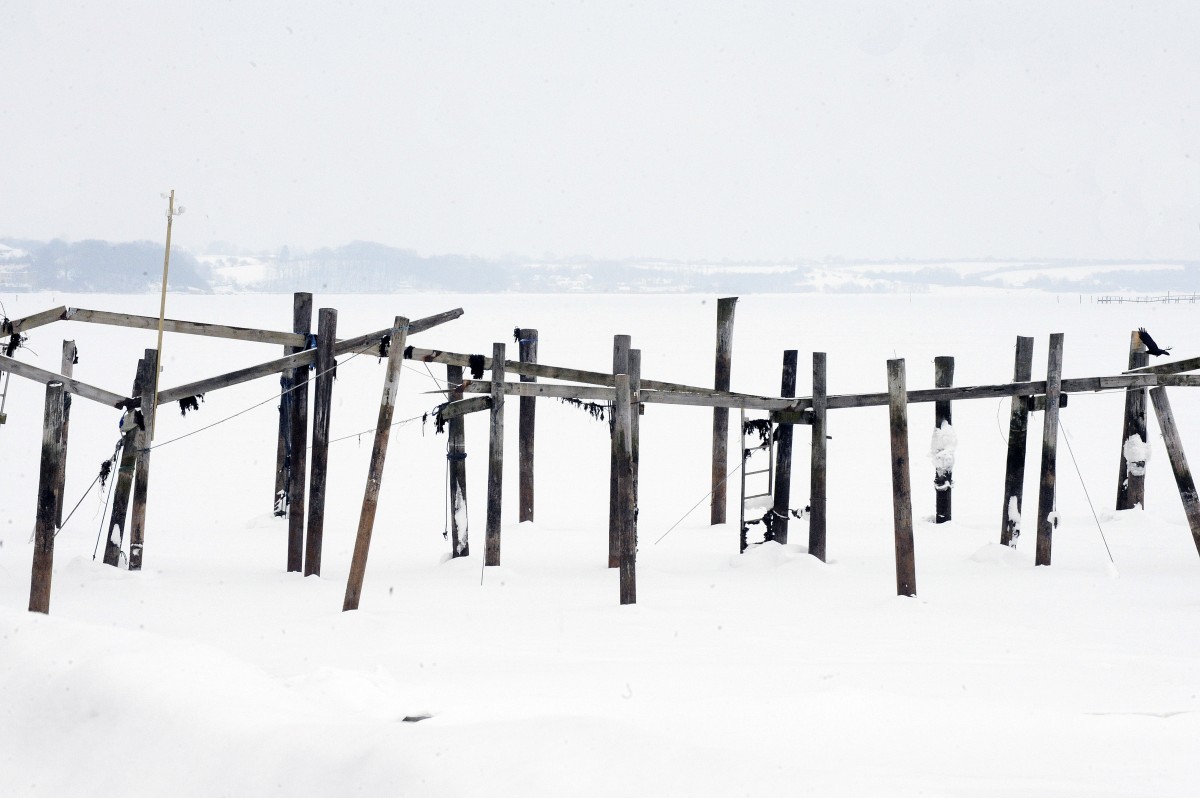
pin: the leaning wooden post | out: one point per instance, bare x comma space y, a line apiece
383, 429
1018, 429
141, 469
1047, 517
906, 568
783, 451
456, 454
1131, 482
943, 439
297, 471
1183, 475
621, 345
70, 356
722, 381
130, 443
301, 321
495, 481
816, 501
622, 447
527, 340
635, 421
322, 404
53, 453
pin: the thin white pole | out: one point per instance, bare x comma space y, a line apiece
162, 305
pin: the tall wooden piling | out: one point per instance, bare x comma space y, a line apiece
297, 476
495, 483
1047, 517
721, 382
301, 321
1018, 431
383, 428
1179, 465
783, 451
53, 453
622, 447
906, 569
621, 346
456, 456
635, 420
131, 441
943, 452
527, 340
1131, 479
141, 469
816, 512
70, 355
322, 405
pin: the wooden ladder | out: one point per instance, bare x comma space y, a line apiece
753, 449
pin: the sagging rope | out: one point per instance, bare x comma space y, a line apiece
697, 504
1067, 438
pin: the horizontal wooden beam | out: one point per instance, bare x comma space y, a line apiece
462, 407
36, 320
592, 393
1179, 366
72, 386
185, 327
415, 326
1179, 380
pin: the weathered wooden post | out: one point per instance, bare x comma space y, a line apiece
141, 469
816, 501
635, 421
527, 340
383, 429
722, 382
301, 322
1018, 429
322, 404
622, 445
53, 453
906, 568
944, 439
1179, 466
783, 451
297, 471
1131, 481
621, 346
456, 454
70, 356
1047, 513
495, 481
131, 442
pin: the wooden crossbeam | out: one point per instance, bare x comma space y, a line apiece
1179, 366
185, 327
71, 386
36, 320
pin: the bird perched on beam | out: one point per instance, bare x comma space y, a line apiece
1151, 347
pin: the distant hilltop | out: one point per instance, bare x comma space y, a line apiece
366, 267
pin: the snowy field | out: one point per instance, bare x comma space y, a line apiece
214, 673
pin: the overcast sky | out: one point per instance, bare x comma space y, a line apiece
688, 130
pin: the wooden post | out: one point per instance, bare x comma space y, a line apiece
322, 404
621, 346
301, 316
69, 356
783, 451
816, 501
141, 471
456, 454
383, 428
527, 340
53, 453
1179, 466
1047, 517
943, 450
906, 569
495, 460
635, 434
622, 447
1131, 481
1018, 429
297, 471
131, 442
720, 435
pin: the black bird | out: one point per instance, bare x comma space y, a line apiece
1151, 347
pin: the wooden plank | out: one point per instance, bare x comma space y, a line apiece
141, 469
592, 393
621, 347
1047, 517
383, 429
72, 386
720, 424
817, 492
1179, 465
495, 483
298, 436
14, 326
456, 456
906, 569
45, 526
362, 342
943, 477
70, 354
783, 451
622, 446
527, 344
185, 327
300, 301
1179, 380
319, 463
1018, 431
1179, 366
1131, 474
295, 363
131, 443
458, 408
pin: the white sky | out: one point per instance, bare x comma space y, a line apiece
680, 130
